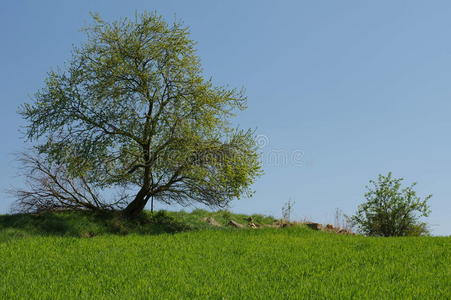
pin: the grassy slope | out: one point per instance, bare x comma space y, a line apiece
83, 224
233, 264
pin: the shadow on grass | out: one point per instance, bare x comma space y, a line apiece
87, 224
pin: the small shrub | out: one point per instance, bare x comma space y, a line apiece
391, 210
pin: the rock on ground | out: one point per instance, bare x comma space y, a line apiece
212, 221
235, 224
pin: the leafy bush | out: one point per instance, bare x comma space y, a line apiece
391, 210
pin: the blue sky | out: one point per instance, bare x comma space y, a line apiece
357, 87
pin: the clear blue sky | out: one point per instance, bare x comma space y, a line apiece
358, 87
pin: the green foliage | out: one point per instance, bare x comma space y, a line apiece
132, 109
289, 263
391, 210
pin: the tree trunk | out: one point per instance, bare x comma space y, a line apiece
135, 207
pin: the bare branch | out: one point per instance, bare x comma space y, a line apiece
49, 187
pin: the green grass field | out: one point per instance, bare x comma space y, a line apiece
39, 261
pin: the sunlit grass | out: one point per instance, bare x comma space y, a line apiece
232, 264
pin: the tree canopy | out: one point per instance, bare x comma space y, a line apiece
132, 109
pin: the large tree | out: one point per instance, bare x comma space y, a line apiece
132, 109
